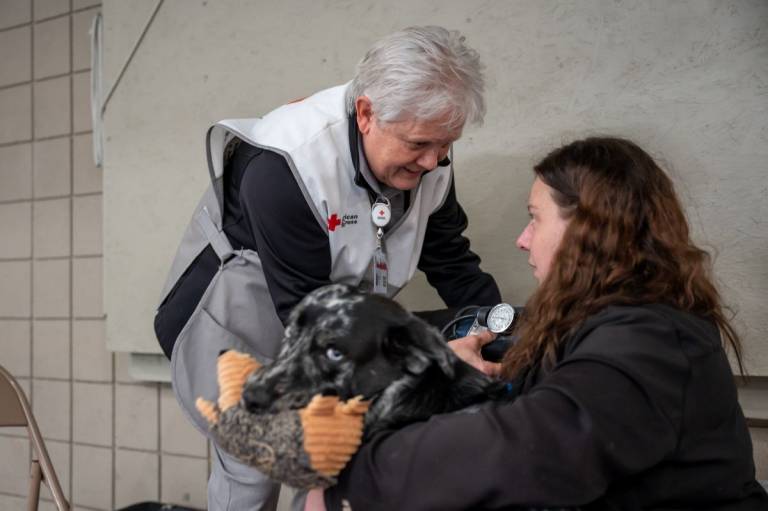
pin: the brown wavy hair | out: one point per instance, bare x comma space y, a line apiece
627, 243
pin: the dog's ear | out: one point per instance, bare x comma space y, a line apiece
422, 346
319, 302
308, 315
301, 318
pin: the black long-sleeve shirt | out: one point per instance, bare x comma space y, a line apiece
265, 211
639, 412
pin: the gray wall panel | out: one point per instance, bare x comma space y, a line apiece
686, 79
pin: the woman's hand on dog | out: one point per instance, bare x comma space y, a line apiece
468, 349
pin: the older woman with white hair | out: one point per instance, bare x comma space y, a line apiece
353, 185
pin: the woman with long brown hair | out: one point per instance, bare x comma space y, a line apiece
622, 393
627, 243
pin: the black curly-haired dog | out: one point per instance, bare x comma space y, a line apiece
342, 342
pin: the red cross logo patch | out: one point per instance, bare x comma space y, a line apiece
333, 222
346, 219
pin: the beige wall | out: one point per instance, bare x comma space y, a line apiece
113, 441
684, 79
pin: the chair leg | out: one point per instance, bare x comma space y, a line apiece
53, 485
51, 481
35, 476
45, 467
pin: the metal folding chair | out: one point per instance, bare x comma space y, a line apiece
16, 412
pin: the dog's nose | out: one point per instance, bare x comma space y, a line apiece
256, 399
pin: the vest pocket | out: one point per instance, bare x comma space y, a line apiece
235, 312
193, 364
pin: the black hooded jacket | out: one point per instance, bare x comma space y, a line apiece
639, 412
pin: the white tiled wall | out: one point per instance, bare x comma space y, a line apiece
137, 408
114, 442
90, 359
15, 230
15, 106
51, 44
174, 471
52, 407
92, 481
51, 167
14, 12
46, 8
50, 349
87, 288
16, 171
15, 298
14, 451
92, 413
52, 109
81, 99
51, 288
177, 435
15, 345
137, 477
52, 227
15, 51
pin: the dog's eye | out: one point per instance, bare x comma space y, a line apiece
334, 355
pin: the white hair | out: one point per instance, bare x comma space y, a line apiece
424, 74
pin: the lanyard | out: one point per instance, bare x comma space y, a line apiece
381, 213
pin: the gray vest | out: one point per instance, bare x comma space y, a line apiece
236, 310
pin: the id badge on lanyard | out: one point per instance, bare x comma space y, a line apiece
381, 213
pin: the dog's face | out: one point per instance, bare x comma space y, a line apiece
340, 341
